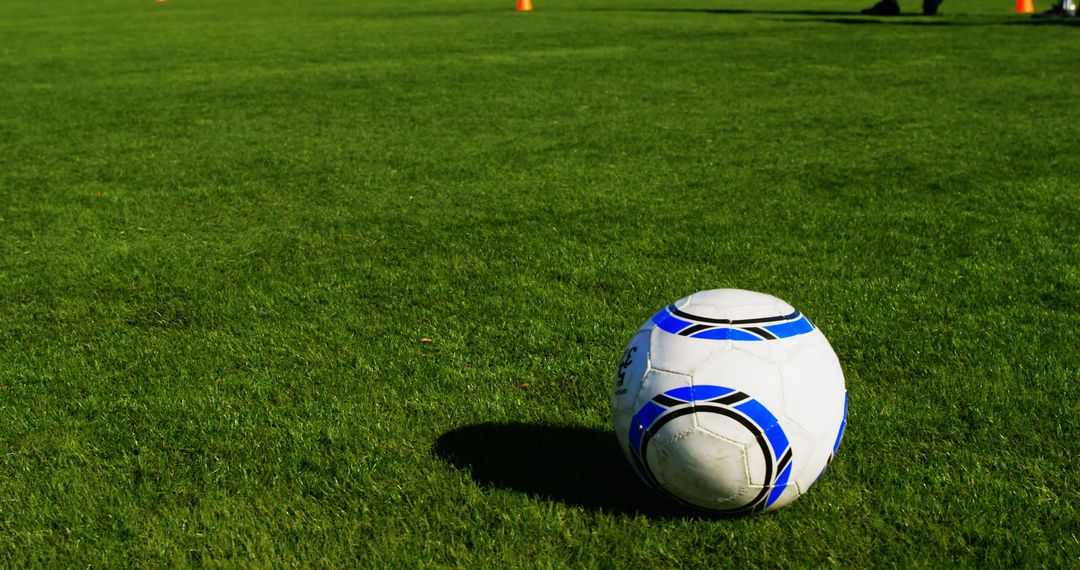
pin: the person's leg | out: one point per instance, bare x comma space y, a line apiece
929, 7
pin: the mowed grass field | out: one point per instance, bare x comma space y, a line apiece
228, 227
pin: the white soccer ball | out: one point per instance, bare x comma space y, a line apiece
730, 401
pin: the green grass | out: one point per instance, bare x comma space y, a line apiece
225, 227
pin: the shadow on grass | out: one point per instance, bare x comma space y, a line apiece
863, 21
733, 11
855, 18
939, 22
573, 465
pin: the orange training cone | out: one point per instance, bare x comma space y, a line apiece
1025, 6
526, 5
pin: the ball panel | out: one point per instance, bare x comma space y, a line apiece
671, 430
818, 455
815, 460
730, 424
812, 378
659, 381
725, 427
629, 375
744, 371
679, 354
736, 304
814, 384
806, 462
702, 468
782, 495
630, 371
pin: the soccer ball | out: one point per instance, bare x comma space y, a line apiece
729, 401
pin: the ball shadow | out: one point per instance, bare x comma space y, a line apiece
574, 465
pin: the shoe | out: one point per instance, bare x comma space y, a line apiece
883, 8
929, 7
